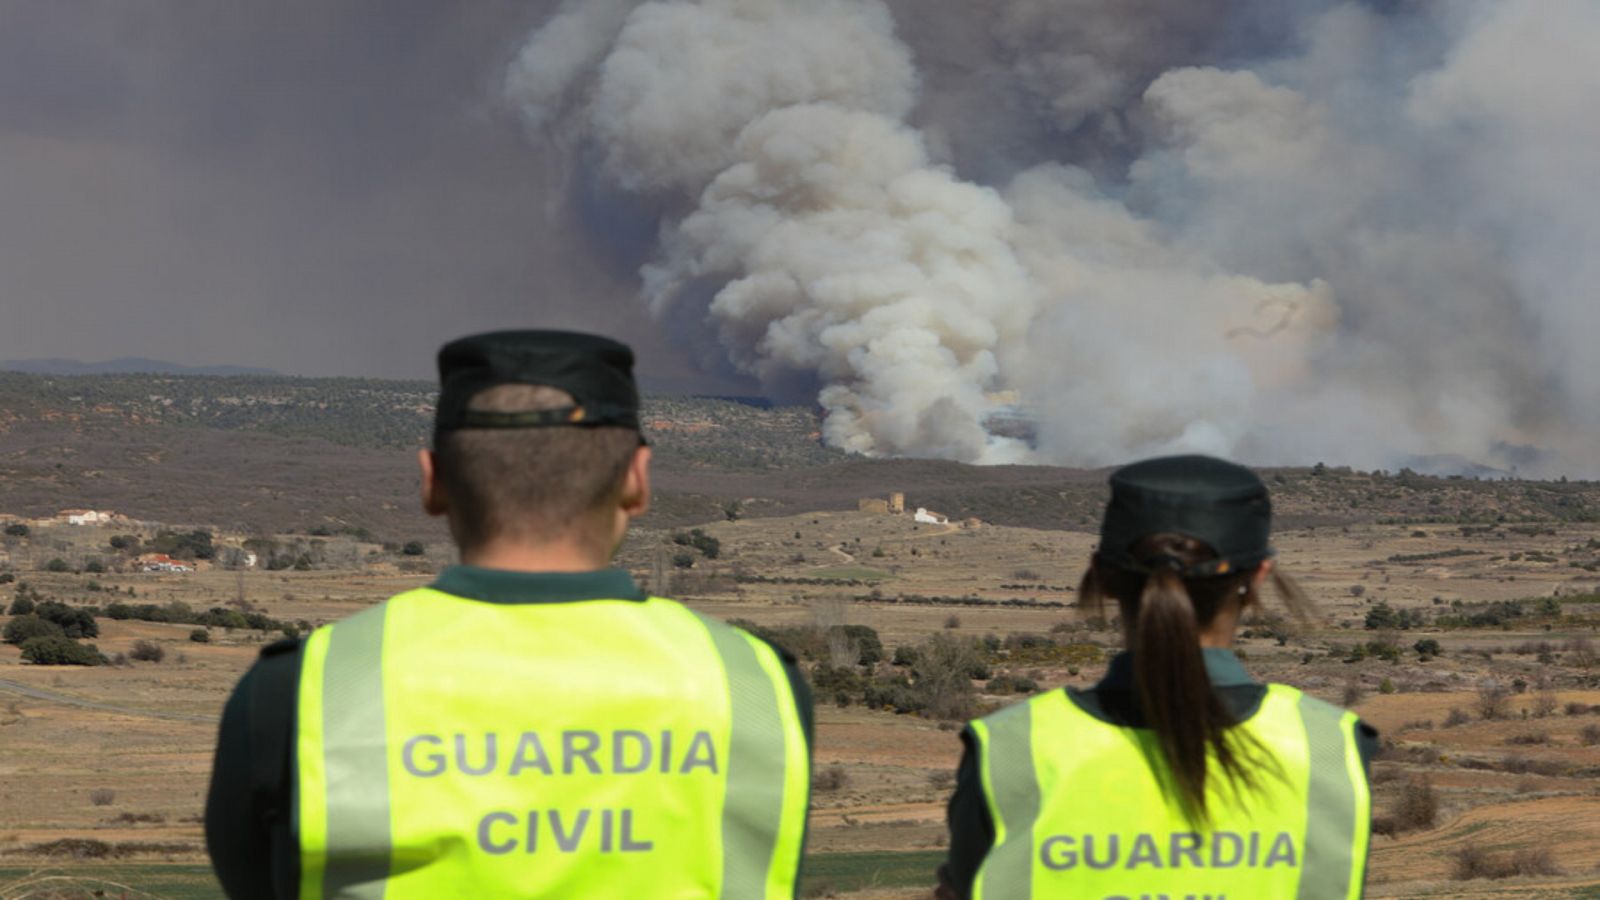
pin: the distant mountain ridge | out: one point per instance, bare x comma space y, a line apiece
126, 365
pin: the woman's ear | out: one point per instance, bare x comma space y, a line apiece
1260, 576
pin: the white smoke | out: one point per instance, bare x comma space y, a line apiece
1276, 231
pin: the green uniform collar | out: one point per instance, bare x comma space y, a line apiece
1222, 667
505, 586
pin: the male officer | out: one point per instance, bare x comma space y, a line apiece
531, 724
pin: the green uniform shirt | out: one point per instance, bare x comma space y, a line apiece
249, 829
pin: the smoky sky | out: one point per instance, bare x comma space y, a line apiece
1278, 230
317, 187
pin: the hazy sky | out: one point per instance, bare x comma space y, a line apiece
316, 187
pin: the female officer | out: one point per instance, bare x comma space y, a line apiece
1176, 775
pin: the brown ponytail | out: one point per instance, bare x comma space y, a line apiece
1163, 615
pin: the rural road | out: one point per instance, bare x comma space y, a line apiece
53, 697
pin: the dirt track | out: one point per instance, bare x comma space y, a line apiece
53, 697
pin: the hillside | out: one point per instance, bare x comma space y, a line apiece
269, 453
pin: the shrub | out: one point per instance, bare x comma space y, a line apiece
1475, 861
414, 548
1589, 735
200, 636
1353, 693
94, 567
1417, 807
1386, 686
57, 565
54, 650
906, 655
22, 606
944, 676
830, 779
683, 560
952, 621
102, 796
25, 628
1458, 716
147, 651
1427, 648
1493, 699
17, 529
1532, 737
863, 641
1011, 684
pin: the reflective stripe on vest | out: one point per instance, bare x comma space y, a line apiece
448, 747
1080, 809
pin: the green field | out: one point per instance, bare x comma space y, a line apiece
135, 882
828, 872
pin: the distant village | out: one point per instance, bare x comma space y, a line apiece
13, 526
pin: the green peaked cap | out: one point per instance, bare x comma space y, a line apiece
1208, 499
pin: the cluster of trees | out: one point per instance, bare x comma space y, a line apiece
196, 544
1383, 617
179, 613
936, 678
1498, 613
48, 631
697, 539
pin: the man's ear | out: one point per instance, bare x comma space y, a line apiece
635, 500
435, 501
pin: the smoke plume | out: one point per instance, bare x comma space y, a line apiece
1279, 231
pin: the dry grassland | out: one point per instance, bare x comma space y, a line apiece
1526, 780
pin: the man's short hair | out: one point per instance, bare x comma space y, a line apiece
534, 483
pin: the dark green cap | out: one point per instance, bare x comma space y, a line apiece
597, 371
1211, 500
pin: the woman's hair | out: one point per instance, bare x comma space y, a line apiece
1164, 614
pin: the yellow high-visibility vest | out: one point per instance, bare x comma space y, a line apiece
449, 747
1080, 809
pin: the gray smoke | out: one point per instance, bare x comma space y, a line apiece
1280, 231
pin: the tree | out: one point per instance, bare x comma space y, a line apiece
22, 629
1427, 648
77, 623
21, 606
17, 529
1382, 617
